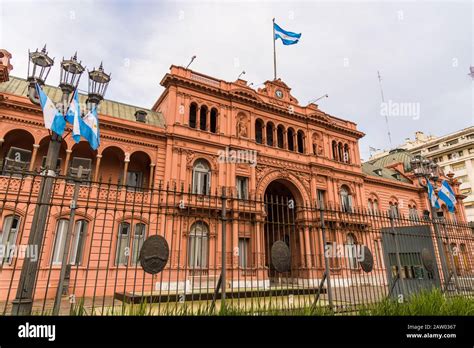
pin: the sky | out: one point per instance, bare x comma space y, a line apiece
423, 50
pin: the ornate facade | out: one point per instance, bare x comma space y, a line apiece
298, 151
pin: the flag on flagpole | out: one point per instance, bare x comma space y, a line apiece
89, 126
432, 196
287, 37
446, 194
73, 115
53, 118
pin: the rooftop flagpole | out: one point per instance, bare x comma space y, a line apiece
274, 52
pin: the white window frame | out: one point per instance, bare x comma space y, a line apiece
59, 242
198, 246
346, 199
351, 254
78, 242
201, 178
8, 236
139, 235
123, 242
244, 252
242, 192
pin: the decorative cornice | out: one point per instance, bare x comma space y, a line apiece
169, 80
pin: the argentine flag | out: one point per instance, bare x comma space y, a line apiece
446, 194
287, 37
432, 196
73, 115
53, 119
89, 126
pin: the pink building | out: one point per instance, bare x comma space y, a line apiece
203, 134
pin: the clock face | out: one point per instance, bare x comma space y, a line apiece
279, 93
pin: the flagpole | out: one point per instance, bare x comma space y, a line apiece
274, 52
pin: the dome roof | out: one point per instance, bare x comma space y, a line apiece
395, 156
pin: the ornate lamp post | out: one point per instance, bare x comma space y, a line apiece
428, 170
98, 82
39, 65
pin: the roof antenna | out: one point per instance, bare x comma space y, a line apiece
386, 116
192, 59
242, 73
315, 100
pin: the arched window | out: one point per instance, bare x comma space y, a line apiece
351, 251
291, 137
340, 152
213, 122
123, 244
334, 151
192, 115
269, 130
124, 249
346, 199
203, 118
375, 206
346, 157
78, 241
393, 209
59, 241
201, 178
198, 245
413, 212
280, 135
300, 141
259, 131
138, 239
8, 237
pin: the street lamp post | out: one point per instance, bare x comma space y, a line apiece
39, 65
424, 168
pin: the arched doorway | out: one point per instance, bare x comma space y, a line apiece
281, 205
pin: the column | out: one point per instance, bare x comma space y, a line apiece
33, 157
302, 247
307, 243
151, 179
68, 158
125, 169
295, 141
235, 240
285, 139
97, 166
264, 134
275, 137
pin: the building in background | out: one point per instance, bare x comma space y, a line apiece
454, 153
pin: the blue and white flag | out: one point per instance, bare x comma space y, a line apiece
73, 115
90, 128
287, 37
446, 194
53, 118
432, 196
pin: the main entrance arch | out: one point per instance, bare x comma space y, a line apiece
282, 201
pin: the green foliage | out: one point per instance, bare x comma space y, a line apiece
432, 302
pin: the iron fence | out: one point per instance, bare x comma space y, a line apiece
251, 254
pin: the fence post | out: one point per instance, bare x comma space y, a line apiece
397, 253
67, 242
442, 256
23, 302
451, 259
326, 261
223, 267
